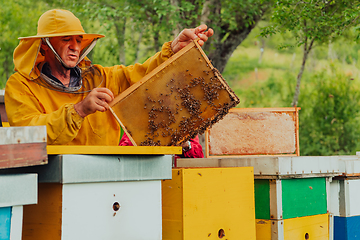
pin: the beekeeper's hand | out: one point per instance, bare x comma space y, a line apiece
187, 35
97, 100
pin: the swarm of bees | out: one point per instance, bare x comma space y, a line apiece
193, 123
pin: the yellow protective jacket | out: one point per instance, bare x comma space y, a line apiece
29, 104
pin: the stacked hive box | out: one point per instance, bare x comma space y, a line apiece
20, 146
16, 191
294, 208
291, 193
344, 200
209, 203
94, 196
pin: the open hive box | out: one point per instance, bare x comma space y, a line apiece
255, 131
176, 101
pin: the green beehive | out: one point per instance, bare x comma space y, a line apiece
290, 198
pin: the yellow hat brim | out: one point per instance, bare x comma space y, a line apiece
85, 35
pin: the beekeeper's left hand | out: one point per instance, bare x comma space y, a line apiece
187, 35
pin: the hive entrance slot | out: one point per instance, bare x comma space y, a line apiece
116, 206
221, 233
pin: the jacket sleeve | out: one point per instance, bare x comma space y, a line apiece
196, 149
24, 109
125, 141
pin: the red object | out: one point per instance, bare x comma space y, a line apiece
195, 151
23, 155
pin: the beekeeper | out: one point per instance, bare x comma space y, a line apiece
56, 85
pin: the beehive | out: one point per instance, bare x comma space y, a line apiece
302, 228
291, 192
208, 203
176, 101
255, 131
344, 200
17, 190
290, 198
98, 197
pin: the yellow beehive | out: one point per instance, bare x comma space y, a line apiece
301, 228
209, 203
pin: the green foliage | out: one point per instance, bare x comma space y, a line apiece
274, 92
15, 23
329, 116
311, 23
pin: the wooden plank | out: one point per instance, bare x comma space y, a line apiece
344, 197
21, 155
16, 223
276, 199
172, 206
346, 228
5, 221
310, 227
263, 229
18, 189
89, 214
99, 150
273, 166
43, 220
176, 101
255, 131
262, 199
19, 135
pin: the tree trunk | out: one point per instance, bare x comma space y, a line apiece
120, 36
262, 49
299, 76
177, 29
6, 65
210, 7
223, 50
156, 41
226, 39
137, 50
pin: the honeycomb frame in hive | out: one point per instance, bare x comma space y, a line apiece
255, 131
179, 99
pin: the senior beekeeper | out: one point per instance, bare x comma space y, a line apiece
56, 85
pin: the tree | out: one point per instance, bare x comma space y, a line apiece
12, 26
232, 21
312, 22
155, 21
330, 114
136, 29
